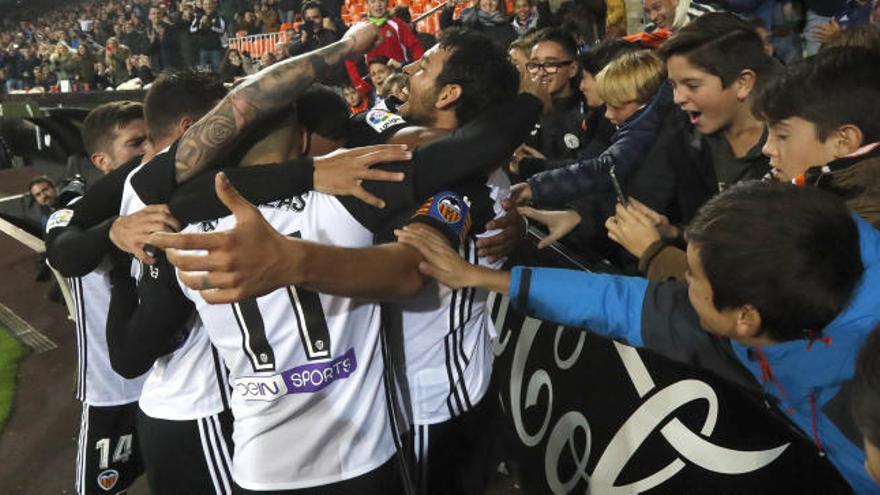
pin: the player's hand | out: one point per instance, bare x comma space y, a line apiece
558, 222
512, 230
244, 262
632, 229
129, 233
341, 172
364, 36
441, 262
521, 194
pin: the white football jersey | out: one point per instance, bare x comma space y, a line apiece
309, 400
191, 382
446, 337
96, 382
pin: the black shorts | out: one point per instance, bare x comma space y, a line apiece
455, 457
108, 458
384, 480
192, 457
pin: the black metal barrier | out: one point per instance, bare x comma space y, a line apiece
76, 100
589, 415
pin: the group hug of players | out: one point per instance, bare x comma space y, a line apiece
323, 385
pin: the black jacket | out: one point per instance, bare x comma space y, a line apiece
678, 175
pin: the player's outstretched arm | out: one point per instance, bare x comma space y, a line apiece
260, 96
253, 259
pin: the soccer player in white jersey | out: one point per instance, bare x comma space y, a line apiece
108, 458
184, 422
452, 343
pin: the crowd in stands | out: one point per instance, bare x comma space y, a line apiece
91, 45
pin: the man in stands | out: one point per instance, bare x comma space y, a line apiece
398, 42
674, 14
209, 28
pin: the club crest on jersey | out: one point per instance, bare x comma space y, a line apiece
450, 209
60, 218
107, 479
381, 120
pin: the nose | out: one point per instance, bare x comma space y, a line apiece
769, 148
678, 95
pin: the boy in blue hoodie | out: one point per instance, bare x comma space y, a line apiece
781, 292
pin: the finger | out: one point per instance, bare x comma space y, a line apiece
196, 263
370, 199
427, 233
381, 175
205, 241
205, 280
396, 154
611, 224
614, 237
222, 296
156, 208
230, 197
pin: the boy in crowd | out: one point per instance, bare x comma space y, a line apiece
714, 64
824, 119
781, 292
824, 132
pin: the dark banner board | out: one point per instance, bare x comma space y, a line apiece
590, 415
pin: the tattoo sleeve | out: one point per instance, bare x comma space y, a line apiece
262, 96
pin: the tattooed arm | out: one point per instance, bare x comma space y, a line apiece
261, 96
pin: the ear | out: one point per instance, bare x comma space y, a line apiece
101, 161
183, 124
846, 140
448, 96
745, 84
748, 322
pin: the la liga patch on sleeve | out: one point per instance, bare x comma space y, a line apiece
60, 218
381, 120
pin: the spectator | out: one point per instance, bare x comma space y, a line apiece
488, 17
14, 63
398, 42
116, 59
103, 76
249, 24
518, 52
554, 62
357, 102
312, 32
269, 20
524, 17
232, 67
715, 64
674, 14
189, 43
42, 189
62, 62
827, 18
84, 71
209, 28
379, 71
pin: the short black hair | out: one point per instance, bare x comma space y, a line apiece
180, 94
596, 58
791, 252
40, 179
99, 126
482, 70
311, 4
323, 111
837, 86
559, 36
721, 44
865, 388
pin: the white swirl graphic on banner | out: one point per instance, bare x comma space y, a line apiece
653, 412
